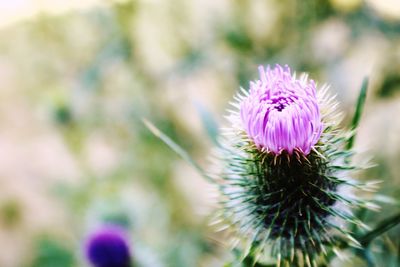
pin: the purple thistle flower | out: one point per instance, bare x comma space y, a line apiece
284, 171
108, 247
281, 113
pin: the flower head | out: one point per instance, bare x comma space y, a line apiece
108, 247
281, 113
286, 182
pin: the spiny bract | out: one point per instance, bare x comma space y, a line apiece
285, 182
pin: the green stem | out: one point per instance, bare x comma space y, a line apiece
367, 238
382, 227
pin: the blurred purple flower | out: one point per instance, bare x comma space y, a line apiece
108, 247
281, 113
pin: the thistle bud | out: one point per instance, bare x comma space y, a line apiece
285, 175
108, 247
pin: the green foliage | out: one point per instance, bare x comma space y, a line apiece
50, 252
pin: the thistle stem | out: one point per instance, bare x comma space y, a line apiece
382, 227
367, 238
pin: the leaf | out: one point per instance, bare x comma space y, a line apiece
177, 149
358, 112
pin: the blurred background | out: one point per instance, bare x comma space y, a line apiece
77, 77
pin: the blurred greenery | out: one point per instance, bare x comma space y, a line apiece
10, 213
50, 253
75, 86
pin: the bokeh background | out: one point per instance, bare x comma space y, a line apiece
77, 77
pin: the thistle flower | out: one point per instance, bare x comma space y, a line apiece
108, 247
282, 113
285, 184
